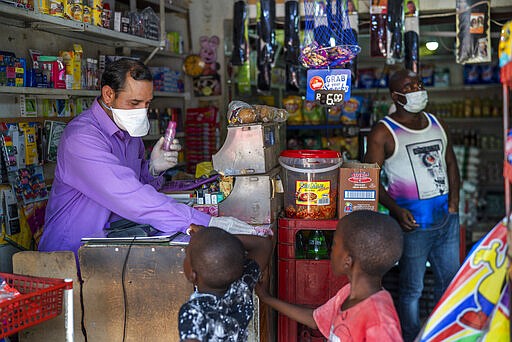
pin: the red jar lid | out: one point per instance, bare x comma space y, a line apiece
302, 154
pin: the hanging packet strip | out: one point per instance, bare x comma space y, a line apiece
394, 34
240, 33
378, 31
411, 36
266, 42
473, 38
291, 44
353, 18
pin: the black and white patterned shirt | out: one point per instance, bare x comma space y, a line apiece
206, 317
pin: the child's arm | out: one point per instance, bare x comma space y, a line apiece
258, 248
296, 312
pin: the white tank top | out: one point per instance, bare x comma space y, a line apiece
416, 170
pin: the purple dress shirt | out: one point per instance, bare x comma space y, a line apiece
102, 176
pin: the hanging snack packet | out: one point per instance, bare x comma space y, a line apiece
353, 17
266, 42
473, 38
395, 18
291, 44
240, 33
378, 31
411, 36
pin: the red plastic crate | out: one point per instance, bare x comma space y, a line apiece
302, 281
41, 299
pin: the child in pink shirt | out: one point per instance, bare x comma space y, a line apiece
366, 245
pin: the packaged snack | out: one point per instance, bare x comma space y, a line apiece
264, 113
366, 78
471, 74
334, 114
427, 75
487, 73
351, 110
293, 105
240, 112
313, 113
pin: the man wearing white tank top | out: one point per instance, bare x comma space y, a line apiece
414, 150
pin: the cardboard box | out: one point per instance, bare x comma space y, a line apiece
358, 188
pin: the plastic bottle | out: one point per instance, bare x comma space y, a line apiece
300, 247
317, 247
170, 133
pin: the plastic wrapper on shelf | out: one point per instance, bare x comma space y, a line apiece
240, 33
473, 37
240, 112
266, 43
395, 19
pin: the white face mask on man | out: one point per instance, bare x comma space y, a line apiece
416, 101
134, 121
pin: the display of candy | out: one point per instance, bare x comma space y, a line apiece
315, 56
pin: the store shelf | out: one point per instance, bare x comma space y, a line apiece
169, 6
492, 120
170, 54
314, 127
450, 89
72, 28
73, 93
35, 119
48, 91
168, 94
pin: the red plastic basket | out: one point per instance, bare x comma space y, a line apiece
41, 299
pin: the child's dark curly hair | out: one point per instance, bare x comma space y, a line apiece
217, 257
372, 239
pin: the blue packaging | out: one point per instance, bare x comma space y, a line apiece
471, 74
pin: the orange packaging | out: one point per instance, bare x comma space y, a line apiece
358, 188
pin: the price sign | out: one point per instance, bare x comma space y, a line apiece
330, 98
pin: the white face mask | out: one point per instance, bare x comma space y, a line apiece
134, 121
416, 101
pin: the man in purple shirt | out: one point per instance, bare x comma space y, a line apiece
102, 175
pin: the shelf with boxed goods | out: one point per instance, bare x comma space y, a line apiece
58, 23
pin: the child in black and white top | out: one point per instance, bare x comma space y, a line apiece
224, 276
